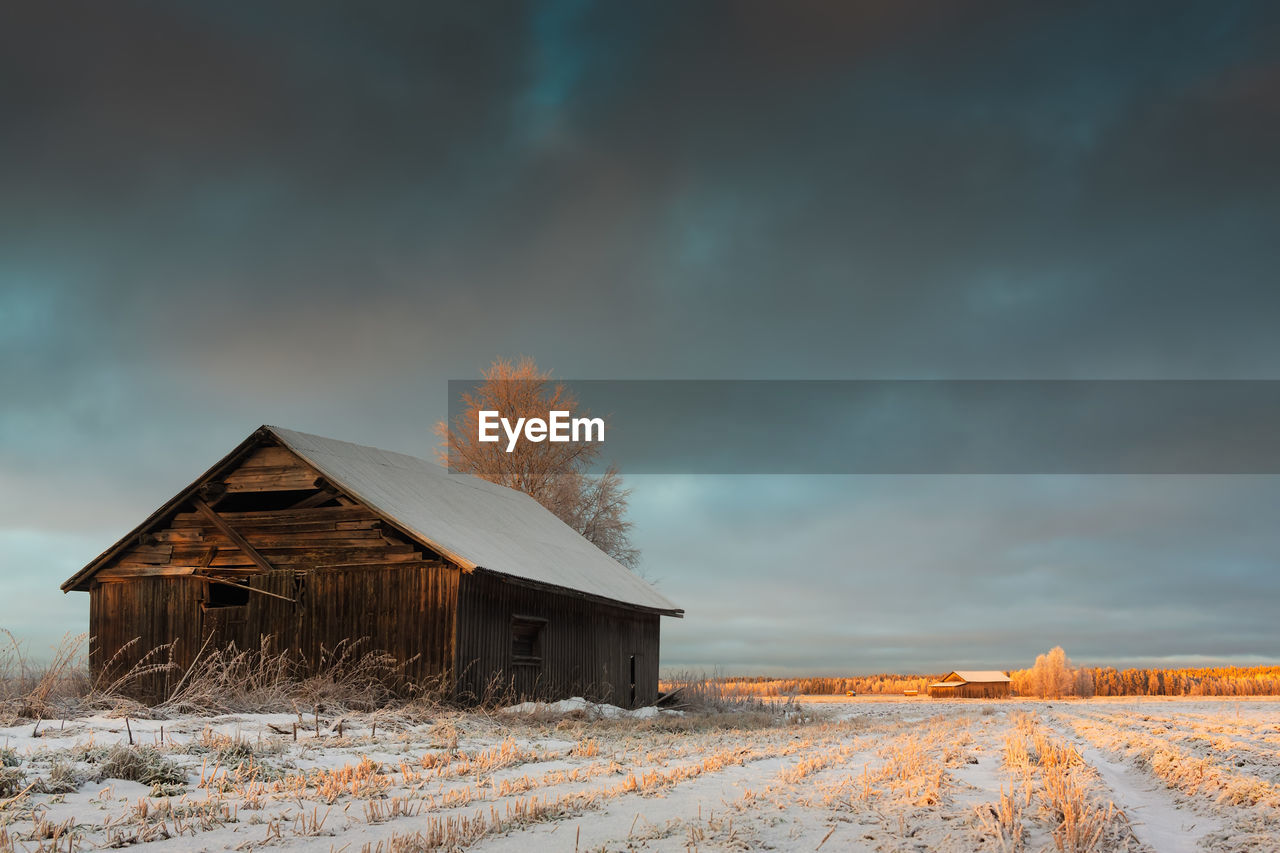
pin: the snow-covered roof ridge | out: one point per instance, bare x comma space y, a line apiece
980, 675
474, 522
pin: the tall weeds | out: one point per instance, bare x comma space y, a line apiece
700, 692
31, 691
349, 677
264, 679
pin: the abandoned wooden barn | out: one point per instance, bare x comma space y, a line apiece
313, 541
971, 684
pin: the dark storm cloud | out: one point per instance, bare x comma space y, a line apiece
316, 214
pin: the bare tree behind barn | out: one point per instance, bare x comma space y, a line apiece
556, 474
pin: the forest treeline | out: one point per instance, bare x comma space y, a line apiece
1210, 681
1052, 676
880, 683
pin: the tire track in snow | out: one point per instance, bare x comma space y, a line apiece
1153, 814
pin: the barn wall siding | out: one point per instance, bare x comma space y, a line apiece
586, 646
994, 690
128, 620
407, 610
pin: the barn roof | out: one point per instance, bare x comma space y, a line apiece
475, 523
975, 676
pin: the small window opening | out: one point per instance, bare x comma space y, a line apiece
526, 639
233, 594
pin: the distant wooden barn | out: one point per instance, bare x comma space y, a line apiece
314, 541
972, 684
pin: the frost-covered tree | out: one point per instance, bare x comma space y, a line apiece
1053, 676
555, 474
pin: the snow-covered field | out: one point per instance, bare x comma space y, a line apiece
856, 774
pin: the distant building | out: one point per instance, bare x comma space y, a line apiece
971, 684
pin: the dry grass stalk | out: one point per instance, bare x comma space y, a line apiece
114, 679
1080, 822
1180, 769
710, 693
29, 691
1004, 820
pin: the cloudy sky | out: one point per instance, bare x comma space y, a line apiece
315, 215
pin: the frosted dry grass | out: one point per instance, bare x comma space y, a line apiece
1217, 763
1072, 804
910, 775
30, 691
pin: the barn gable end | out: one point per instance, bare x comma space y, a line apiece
265, 494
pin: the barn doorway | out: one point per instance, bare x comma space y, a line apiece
633, 682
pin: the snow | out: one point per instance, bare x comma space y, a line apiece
590, 710
1157, 818
863, 773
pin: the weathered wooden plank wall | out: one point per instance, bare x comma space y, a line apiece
155, 611
287, 538
587, 646
994, 690
406, 609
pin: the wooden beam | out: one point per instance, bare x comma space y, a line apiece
323, 496
270, 480
286, 517
148, 554
246, 587
229, 532
234, 571
118, 571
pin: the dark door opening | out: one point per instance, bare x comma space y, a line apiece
633, 681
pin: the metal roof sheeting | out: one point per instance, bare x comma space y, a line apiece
476, 523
